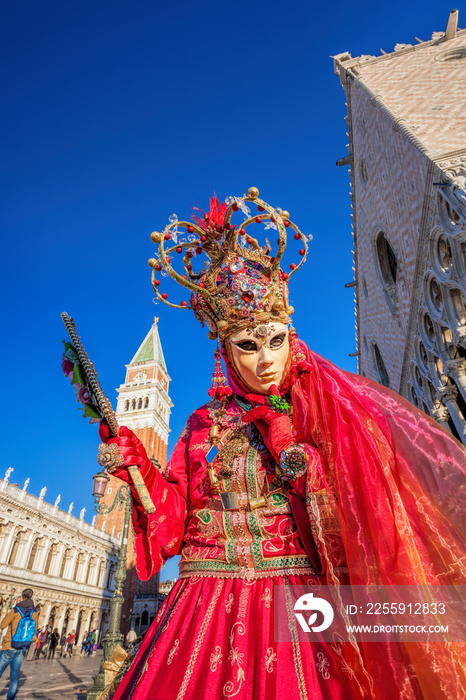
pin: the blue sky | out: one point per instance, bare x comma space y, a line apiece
117, 114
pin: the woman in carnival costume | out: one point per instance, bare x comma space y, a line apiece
322, 477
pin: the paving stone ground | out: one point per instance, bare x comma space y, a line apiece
53, 680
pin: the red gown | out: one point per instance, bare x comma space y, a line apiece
383, 509
214, 635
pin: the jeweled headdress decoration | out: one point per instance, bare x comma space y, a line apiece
241, 284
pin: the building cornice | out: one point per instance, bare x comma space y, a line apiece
55, 583
340, 62
38, 509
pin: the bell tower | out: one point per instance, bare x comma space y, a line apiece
143, 401
143, 405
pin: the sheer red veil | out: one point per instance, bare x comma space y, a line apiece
393, 497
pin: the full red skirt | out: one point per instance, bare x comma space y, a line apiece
213, 638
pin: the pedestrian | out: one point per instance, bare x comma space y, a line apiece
70, 642
42, 635
92, 638
131, 637
54, 639
62, 643
84, 644
21, 625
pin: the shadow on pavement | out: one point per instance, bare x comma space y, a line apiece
73, 679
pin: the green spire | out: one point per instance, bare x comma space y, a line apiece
151, 348
146, 353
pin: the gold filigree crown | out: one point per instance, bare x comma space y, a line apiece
241, 283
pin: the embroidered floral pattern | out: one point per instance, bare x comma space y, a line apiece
173, 651
199, 639
336, 647
322, 665
229, 603
267, 597
157, 522
236, 658
171, 544
270, 657
205, 446
255, 540
215, 658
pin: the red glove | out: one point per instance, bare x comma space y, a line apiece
274, 427
131, 449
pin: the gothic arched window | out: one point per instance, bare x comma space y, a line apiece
388, 266
146, 402
139, 403
133, 404
127, 405
382, 374
144, 618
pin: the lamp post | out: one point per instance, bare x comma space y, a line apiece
112, 637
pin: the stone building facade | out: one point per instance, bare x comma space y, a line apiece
407, 161
144, 406
67, 562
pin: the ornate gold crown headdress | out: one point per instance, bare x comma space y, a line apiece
243, 284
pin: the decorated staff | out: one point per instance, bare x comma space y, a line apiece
97, 407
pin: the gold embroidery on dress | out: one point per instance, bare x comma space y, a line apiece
267, 597
325, 503
270, 657
298, 666
322, 664
199, 640
336, 647
186, 432
199, 446
179, 600
243, 602
259, 538
157, 522
171, 543
229, 603
173, 651
216, 658
164, 495
236, 658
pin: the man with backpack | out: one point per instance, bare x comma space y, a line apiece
21, 627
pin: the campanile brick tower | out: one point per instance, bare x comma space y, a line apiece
144, 407
407, 159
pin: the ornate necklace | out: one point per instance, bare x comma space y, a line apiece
226, 448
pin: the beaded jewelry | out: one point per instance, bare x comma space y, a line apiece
219, 389
292, 462
109, 457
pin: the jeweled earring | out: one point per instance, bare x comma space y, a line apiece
219, 389
299, 364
